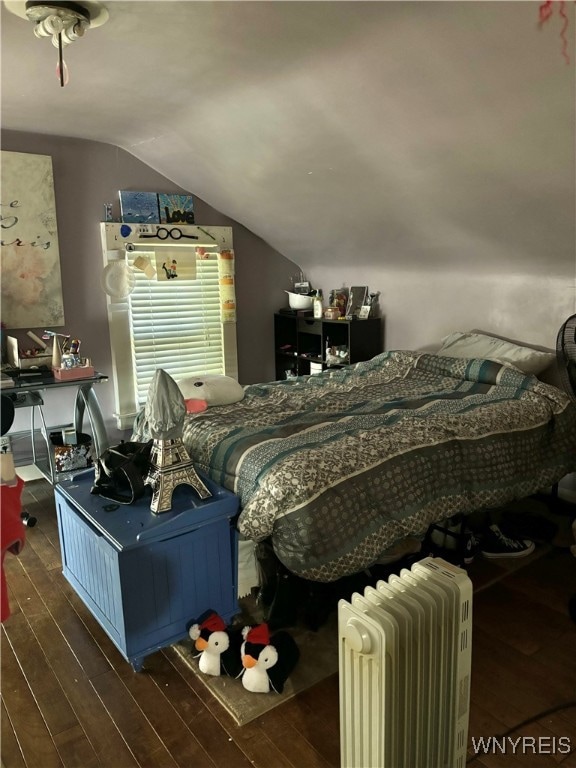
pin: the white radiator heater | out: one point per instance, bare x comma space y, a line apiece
405, 652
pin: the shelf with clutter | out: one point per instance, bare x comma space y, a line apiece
310, 338
38, 356
355, 303
62, 359
66, 362
53, 363
305, 345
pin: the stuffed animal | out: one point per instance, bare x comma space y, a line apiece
200, 392
219, 647
267, 661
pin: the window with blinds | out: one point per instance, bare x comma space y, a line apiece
186, 325
175, 325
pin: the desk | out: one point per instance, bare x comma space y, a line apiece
27, 393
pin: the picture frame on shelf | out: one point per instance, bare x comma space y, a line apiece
139, 207
356, 300
176, 209
364, 313
339, 299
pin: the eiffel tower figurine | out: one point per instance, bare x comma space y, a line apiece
170, 462
170, 466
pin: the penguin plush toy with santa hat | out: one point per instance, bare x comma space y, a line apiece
267, 661
219, 646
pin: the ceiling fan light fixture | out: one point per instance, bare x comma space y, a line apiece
68, 20
92, 11
63, 22
37, 10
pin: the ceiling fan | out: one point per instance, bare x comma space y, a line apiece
63, 22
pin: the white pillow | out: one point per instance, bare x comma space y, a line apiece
215, 389
529, 361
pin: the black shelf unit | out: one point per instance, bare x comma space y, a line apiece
301, 340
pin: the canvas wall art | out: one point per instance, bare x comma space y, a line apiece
176, 209
30, 255
139, 207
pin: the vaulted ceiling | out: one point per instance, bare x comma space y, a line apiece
411, 132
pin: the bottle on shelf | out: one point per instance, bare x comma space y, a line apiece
56, 354
318, 305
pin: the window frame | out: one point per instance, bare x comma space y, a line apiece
115, 238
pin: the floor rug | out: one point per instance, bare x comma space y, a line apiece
318, 659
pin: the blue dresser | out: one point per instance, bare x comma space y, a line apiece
146, 576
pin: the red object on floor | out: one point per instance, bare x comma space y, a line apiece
13, 532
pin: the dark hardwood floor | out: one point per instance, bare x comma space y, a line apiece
69, 699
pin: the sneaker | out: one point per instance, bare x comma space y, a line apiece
471, 547
495, 544
448, 534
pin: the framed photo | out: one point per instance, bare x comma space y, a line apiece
356, 300
339, 299
364, 313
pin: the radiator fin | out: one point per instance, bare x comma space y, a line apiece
405, 663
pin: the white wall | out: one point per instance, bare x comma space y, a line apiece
420, 307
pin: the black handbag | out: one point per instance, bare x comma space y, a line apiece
120, 472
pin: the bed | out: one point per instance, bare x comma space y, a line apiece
337, 468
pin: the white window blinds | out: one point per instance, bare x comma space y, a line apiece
176, 325
185, 325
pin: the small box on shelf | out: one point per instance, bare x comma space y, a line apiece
37, 361
35, 358
70, 374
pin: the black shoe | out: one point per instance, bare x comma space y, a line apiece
471, 547
496, 544
291, 594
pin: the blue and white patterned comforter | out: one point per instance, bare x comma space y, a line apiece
338, 467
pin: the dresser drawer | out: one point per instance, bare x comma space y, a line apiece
308, 325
